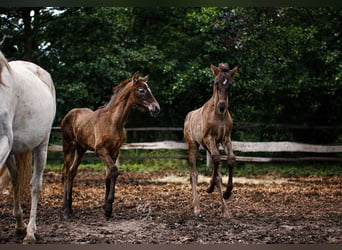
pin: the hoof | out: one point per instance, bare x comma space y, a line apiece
225, 214
210, 189
108, 214
20, 232
197, 213
66, 215
197, 210
29, 239
108, 208
227, 194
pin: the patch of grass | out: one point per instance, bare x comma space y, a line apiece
98, 166
141, 162
288, 169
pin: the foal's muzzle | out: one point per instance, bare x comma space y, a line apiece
154, 109
221, 107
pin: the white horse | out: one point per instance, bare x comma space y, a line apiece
27, 111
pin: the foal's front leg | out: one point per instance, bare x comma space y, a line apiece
216, 179
216, 158
112, 174
230, 163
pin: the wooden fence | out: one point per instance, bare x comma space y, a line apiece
238, 146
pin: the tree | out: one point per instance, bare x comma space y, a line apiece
289, 60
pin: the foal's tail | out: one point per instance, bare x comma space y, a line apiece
24, 167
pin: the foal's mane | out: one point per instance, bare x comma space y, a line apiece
120, 86
116, 91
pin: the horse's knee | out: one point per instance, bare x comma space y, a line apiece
113, 173
111, 177
231, 160
216, 158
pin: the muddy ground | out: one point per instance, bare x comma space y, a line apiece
156, 208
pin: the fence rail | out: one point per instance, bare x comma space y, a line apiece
238, 146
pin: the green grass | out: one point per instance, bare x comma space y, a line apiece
299, 169
138, 164
288, 169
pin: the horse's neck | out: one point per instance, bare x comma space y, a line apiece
119, 107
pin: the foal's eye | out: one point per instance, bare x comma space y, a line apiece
141, 90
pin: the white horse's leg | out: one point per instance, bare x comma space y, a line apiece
17, 211
40, 154
6, 138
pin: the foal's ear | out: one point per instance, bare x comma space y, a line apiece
214, 69
145, 78
232, 72
135, 77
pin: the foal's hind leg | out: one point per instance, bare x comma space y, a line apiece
72, 159
192, 150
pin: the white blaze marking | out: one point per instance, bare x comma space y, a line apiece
225, 82
148, 88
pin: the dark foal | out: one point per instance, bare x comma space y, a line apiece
102, 131
211, 126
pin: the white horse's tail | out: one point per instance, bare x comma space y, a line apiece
24, 167
4, 180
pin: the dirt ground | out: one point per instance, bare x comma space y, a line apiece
156, 208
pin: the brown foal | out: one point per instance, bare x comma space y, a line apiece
211, 126
102, 131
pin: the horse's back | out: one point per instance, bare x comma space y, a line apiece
23, 67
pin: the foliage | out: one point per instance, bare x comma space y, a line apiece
290, 67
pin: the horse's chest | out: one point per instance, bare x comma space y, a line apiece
221, 132
218, 131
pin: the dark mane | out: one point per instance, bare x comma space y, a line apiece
224, 67
120, 86
116, 90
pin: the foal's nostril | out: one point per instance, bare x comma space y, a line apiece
155, 109
221, 107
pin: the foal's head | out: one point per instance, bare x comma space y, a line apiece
223, 80
143, 96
